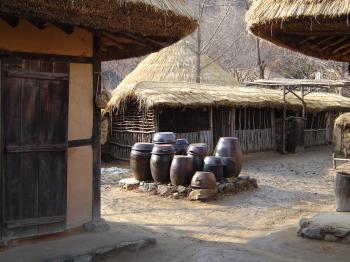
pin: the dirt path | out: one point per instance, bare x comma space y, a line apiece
253, 226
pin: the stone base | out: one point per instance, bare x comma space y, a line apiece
108, 251
97, 226
333, 227
230, 186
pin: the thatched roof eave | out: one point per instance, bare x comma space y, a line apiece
152, 94
318, 28
138, 27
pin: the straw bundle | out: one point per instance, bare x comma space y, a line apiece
104, 130
180, 94
177, 63
317, 28
343, 121
102, 99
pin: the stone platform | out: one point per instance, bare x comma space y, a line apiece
333, 227
229, 187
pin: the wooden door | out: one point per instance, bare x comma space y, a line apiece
34, 124
221, 123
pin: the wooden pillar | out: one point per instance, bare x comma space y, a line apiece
211, 129
96, 135
2, 186
273, 128
284, 121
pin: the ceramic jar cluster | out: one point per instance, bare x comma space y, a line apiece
173, 160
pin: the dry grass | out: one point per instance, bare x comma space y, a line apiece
150, 94
343, 121
301, 24
177, 63
145, 17
279, 11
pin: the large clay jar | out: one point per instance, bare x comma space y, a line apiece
162, 156
203, 180
181, 146
342, 191
140, 161
164, 138
214, 164
181, 171
229, 167
197, 152
230, 147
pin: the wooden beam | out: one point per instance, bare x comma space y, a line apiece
106, 41
344, 46
10, 20
146, 40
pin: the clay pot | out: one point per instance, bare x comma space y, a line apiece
162, 156
181, 146
197, 152
181, 171
230, 147
203, 180
140, 161
214, 164
229, 167
164, 138
342, 192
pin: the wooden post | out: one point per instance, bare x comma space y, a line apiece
273, 128
2, 186
284, 121
211, 128
96, 135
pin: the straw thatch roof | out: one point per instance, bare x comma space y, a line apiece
150, 94
343, 121
177, 63
318, 28
138, 27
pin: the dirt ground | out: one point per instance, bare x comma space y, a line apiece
259, 225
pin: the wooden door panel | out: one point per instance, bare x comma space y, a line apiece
35, 110
51, 167
29, 102
53, 112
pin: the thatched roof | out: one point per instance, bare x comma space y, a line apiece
150, 94
318, 28
137, 26
343, 121
177, 63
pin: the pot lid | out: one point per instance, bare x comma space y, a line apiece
163, 149
213, 161
199, 149
164, 138
143, 147
182, 141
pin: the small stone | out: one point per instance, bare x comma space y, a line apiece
313, 233
346, 240
152, 186
176, 195
222, 188
330, 238
165, 190
203, 194
341, 232
304, 222
84, 258
181, 189
129, 183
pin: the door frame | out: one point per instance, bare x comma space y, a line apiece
2, 187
